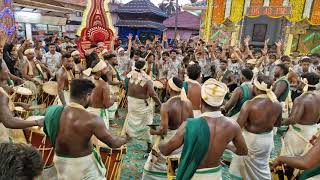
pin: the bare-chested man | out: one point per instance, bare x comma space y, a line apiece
6, 117
140, 105
115, 82
70, 129
240, 95
193, 87
64, 78
78, 67
257, 118
205, 138
101, 98
303, 118
172, 113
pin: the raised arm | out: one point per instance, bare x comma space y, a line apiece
101, 132
279, 46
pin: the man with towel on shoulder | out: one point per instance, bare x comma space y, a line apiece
205, 138
64, 78
140, 110
257, 118
192, 87
70, 129
101, 96
303, 118
34, 72
172, 113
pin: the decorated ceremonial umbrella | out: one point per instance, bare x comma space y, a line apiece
7, 20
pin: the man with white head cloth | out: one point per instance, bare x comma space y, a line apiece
257, 118
101, 98
205, 138
173, 113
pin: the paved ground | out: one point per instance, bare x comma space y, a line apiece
134, 161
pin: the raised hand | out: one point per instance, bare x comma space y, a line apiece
246, 41
130, 36
279, 43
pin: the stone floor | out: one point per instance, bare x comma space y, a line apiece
134, 161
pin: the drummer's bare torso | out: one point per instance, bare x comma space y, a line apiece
62, 77
138, 91
34, 69
76, 127
178, 111
194, 95
306, 109
222, 131
260, 115
101, 90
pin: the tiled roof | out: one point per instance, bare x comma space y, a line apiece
141, 6
140, 24
186, 20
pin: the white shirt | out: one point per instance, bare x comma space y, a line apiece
53, 61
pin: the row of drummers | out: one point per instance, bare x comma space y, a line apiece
47, 95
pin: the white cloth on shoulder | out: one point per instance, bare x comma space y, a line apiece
256, 164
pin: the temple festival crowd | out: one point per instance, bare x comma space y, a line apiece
219, 105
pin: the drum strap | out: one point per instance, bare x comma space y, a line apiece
10, 103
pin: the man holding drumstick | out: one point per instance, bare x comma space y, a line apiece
6, 118
70, 129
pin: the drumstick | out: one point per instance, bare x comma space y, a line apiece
125, 124
41, 106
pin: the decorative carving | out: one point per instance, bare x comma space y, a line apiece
97, 27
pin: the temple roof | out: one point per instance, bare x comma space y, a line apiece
186, 20
140, 7
140, 24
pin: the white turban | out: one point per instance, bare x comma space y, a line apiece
264, 87
98, 67
213, 92
74, 53
29, 51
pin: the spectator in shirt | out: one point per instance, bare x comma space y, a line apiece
52, 59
